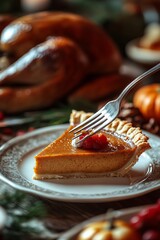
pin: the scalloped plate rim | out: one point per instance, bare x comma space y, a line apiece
80, 198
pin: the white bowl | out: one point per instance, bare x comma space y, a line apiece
141, 55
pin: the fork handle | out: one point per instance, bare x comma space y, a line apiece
137, 80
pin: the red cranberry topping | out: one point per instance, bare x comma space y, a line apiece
96, 142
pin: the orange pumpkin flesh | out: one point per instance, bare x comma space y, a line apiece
147, 99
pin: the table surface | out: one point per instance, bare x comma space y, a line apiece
61, 216
69, 214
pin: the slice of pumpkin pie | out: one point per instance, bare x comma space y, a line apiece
112, 151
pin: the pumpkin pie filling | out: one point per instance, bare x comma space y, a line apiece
62, 159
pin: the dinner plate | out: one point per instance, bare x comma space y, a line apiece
123, 214
17, 162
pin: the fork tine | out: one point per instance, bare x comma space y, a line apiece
77, 136
90, 123
98, 123
102, 126
96, 130
91, 127
87, 120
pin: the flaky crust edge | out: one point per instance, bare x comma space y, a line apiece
119, 126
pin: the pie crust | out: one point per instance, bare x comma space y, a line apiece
62, 160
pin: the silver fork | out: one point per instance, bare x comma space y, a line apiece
109, 112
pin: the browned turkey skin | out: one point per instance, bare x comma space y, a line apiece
57, 60
51, 68
50, 60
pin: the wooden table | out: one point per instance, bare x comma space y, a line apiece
65, 215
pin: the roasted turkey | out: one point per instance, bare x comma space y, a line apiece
52, 55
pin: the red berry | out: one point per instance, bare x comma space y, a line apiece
95, 142
151, 235
148, 213
137, 222
148, 218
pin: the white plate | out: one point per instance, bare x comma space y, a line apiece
17, 162
124, 214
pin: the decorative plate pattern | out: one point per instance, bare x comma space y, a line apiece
17, 161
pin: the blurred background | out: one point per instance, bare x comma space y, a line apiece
123, 19
134, 25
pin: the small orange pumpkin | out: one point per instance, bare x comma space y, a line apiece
147, 99
120, 230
